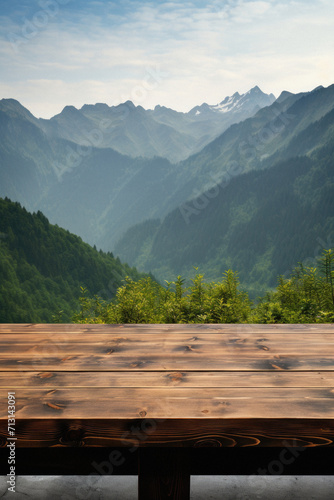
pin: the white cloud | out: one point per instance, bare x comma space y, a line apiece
209, 49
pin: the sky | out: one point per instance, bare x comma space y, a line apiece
177, 54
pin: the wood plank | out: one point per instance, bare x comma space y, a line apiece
158, 328
134, 433
191, 379
162, 338
240, 339
170, 346
15, 380
183, 403
178, 361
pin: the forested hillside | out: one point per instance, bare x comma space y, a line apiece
42, 268
99, 170
262, 223
258, 198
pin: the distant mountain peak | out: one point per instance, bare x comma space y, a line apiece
256, 89
283, 95
99, 106
14, 106
69, 115
249, 102
320, 87
158, 107
10, 101
69, 110
130, 104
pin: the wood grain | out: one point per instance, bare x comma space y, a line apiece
174, 402
20, 379
225, 338
161, 328
196, 385
179, 361
142, 432
202, 344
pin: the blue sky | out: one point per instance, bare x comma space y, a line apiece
178, 54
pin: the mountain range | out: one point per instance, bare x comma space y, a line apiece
167, 190
96, 171
134, 131
272, 204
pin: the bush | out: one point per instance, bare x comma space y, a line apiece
306, 296
145, 301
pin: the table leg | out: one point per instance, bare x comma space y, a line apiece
164, 474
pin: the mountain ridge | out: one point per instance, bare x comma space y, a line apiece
99, 193
135, 131
257, 98
209, 232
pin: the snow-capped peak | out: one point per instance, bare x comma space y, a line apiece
249, 102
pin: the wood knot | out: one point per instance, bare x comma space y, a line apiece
276, 367
175, 377
189, 348
142, 413
136, 364
208, 443
56, 406
45, 375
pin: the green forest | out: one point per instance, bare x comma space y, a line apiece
261, 224
49, 275
43, 266
306, 296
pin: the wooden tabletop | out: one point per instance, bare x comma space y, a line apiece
168, 385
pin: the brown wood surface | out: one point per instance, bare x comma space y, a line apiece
76, 342
181, 385
158, 328
195, 432
193, 379
182, 403
178, 361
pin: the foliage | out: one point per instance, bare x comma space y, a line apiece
306, 296
261, 223
42, 267
145, 301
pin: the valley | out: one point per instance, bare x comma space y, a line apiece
246, 184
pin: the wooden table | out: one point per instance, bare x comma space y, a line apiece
88, 397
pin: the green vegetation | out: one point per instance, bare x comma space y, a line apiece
306, 296
262, 223
146, 301
43, 266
